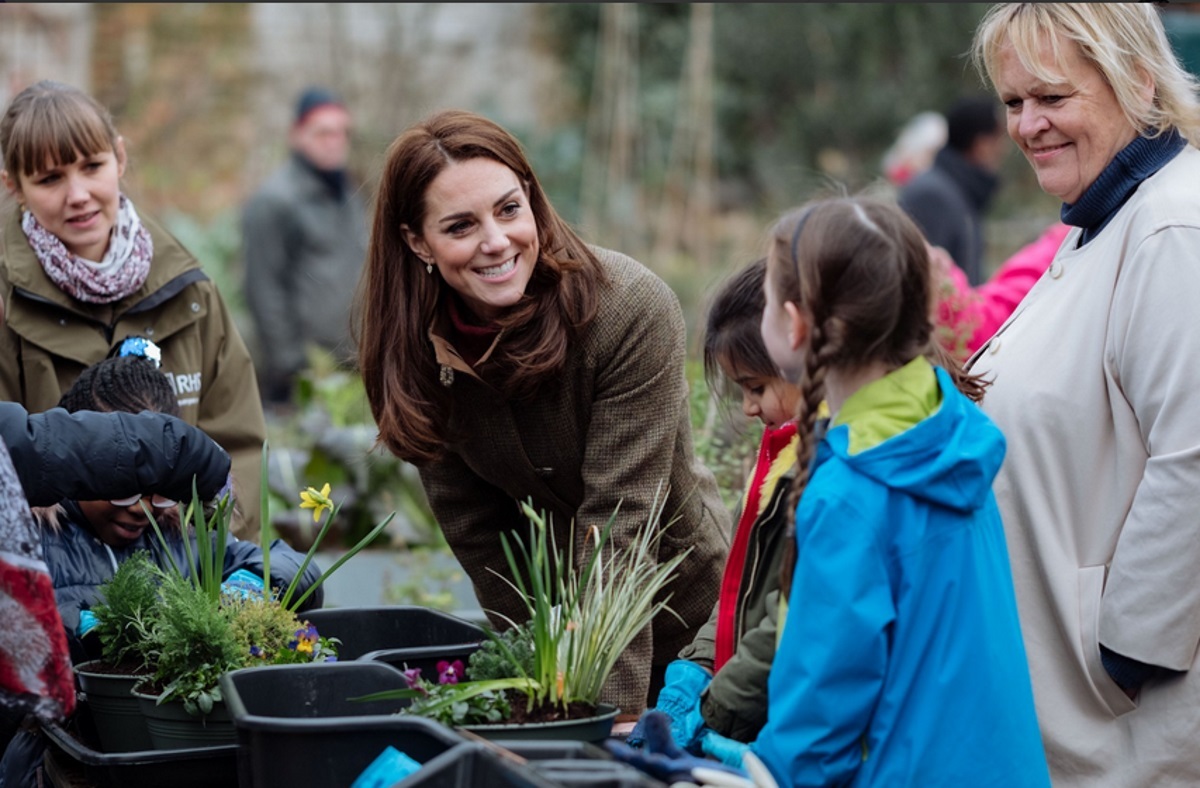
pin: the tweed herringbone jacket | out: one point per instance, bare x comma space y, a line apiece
612, 427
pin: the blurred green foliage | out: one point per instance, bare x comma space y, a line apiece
805, 92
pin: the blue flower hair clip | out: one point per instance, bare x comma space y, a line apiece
139, 347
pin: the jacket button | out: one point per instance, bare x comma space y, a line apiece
1056, 270
994, 347
195, 307
149, 331
62, 321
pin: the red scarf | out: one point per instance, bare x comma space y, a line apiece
773, 442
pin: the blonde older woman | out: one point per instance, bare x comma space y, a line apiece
1096, 387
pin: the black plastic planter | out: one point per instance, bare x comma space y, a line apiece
296, 724
469, 765
73, 746
576, 764
399, 635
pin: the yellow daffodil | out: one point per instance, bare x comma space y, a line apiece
317, 501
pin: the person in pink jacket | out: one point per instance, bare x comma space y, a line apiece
966, 316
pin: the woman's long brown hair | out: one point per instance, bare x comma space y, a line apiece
398, 300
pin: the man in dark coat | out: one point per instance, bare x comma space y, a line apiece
948, 201
304, 236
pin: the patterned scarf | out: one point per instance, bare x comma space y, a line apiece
35, 663
122, 271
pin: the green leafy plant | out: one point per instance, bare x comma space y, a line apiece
202, 629
193, 645
578, 622
125, 612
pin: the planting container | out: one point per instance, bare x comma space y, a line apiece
297, 725
585, 729
576, 764
72, 748
471, 764
400, 635
171, 727
120, 725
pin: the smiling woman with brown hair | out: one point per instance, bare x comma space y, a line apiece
510, 360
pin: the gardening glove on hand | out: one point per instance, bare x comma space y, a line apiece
680, 700
663, 759
728, 751
244, 583
87, 620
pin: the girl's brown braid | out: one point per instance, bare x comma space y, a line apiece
821, 349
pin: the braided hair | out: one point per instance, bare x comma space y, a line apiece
127, 384
859, 269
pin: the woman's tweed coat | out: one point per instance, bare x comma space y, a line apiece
610, 428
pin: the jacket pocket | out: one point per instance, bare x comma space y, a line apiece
1091, 589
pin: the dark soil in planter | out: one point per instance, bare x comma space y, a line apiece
546, 713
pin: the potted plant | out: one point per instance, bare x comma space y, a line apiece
542, 678
123, 617
203, 628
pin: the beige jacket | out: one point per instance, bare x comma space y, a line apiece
1097, 389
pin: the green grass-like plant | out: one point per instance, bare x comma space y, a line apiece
578, 623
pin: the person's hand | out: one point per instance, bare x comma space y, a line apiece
665, 760
728, 751
244, 583
87, 622
680, 700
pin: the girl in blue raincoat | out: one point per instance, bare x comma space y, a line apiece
900, 659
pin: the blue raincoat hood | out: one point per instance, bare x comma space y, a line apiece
948, 458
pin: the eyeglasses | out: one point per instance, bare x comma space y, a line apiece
157, 501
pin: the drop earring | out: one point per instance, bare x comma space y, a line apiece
429, 268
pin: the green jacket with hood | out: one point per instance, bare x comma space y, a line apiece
48, 338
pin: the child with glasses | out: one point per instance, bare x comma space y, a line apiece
85, 541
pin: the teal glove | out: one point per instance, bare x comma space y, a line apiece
87, 620
663, 759
244, 583
679, 699
389, 768
728, 751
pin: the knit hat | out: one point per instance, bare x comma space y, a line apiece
313, 98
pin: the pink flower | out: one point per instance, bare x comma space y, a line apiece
449, 672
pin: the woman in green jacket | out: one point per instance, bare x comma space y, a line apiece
81, 270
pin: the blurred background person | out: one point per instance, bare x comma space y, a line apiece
304, 236
967, 316
948, 201
917, 143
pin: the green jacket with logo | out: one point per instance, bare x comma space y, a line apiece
48, 338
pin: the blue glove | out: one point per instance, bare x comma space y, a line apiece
87, 620
389, 768
663, 759
680, 700
728, 751
244, 583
